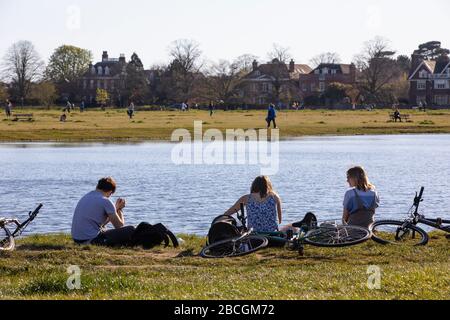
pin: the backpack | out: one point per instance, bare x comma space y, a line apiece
223, 228
149, 236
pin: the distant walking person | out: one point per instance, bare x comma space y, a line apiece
271, 117
82, 106
211, 108
130, 110
8, 108
68, 107
183, 107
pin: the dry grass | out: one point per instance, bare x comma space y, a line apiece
158, 125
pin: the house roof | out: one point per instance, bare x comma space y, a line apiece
278, 70
339, 67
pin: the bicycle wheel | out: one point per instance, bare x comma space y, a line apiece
7, 242
337, 236
399, 233
234, 247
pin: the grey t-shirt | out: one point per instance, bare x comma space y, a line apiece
90, 215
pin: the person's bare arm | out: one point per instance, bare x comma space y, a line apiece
279, 210
345, 216
117, 219
237, 206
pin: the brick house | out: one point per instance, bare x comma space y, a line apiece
273, 82
317, 81
109, 74
429, 81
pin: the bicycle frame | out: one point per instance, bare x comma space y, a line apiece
417, 218
20, 227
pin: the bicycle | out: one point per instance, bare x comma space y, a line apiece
326, 235
7, 242
404, 232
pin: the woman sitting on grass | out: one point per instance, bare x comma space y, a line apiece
361, 200
263, 206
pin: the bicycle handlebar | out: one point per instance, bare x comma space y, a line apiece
421, 193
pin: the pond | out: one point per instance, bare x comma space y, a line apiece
311, 177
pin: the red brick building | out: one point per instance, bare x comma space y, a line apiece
317, 81
272, 81
109, 74
429, 81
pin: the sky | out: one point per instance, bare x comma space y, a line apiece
225, 29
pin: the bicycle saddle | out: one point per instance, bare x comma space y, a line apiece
309, 221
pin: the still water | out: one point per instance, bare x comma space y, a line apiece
312, 177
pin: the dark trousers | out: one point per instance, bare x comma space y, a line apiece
115, 237
270, 121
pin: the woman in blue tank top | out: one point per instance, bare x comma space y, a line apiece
263, 206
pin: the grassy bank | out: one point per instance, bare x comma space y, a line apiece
114, 124
37, 269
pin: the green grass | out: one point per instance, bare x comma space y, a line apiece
38, 270
114, 125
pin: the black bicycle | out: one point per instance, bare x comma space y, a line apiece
325, 235
7, 237
407, 232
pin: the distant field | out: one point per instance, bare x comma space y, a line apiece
38, 270
114, 124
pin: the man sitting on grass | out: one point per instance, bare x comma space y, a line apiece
94, 211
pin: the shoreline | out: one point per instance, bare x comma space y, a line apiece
168, 141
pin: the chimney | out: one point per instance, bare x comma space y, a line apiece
105, 56
255, 65
353, 72
122, 58
291, 66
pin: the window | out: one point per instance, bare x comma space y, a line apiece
441, 100
100, 70
421, 85
107, 70
317, 71
305, 87
321, 86
423, 74
440, 84
99, 84
92, 70
420, 100
313, 87
84, 84
333, 71
91, 85
265, 87
106, 84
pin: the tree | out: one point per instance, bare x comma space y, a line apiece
102, 97
44, 93
279, 53
3, 93
431, 50
183, 72
22, 66
68, 64
326, 57
136, 84
377, 68
404, 63
221, 81
244, 63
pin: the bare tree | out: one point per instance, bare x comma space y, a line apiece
187, 53
326, 57
378, 67
184, 70
22, 66
221, 81
279, 53
244, 62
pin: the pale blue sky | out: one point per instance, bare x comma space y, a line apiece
224, 28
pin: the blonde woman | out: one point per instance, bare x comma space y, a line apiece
263, 206
361, 200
